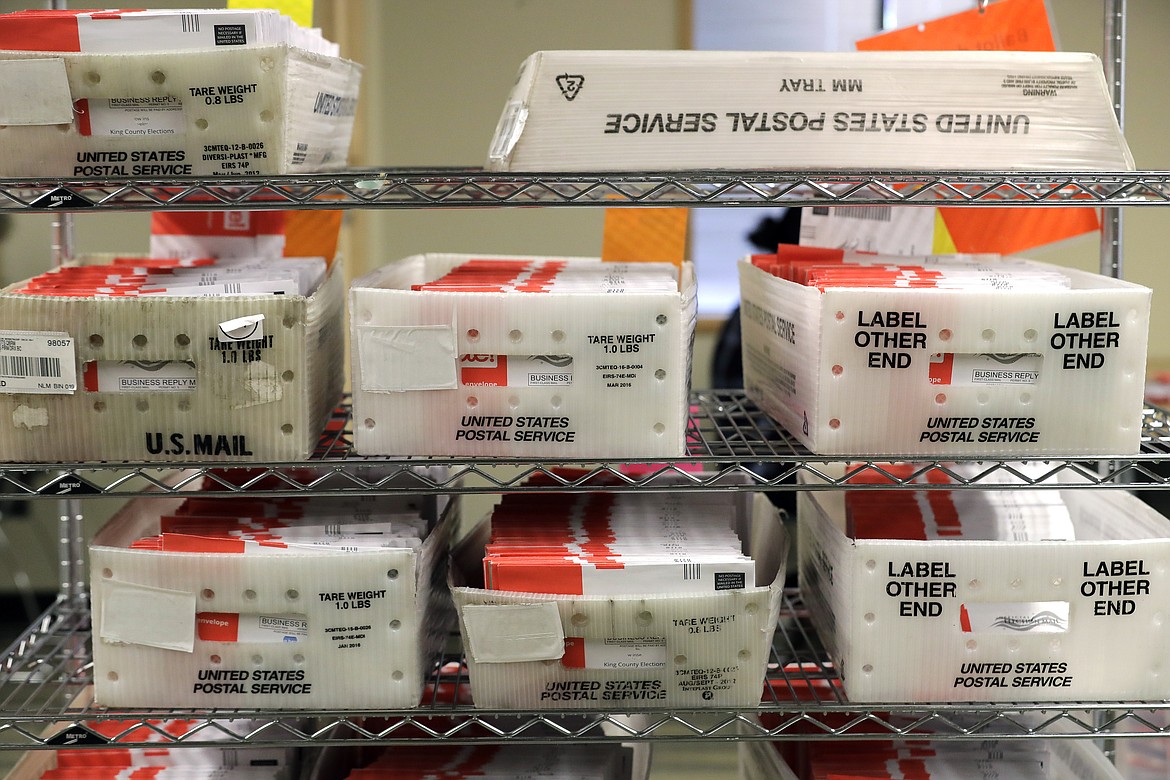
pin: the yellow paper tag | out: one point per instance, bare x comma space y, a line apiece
300, 11
646, 235
943, 244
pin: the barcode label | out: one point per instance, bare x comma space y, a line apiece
875, 213
190, 23
691, 571
301, 154
37, 362
20, 366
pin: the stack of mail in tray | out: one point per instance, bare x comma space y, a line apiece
171, 359
156, 29
203, 601
269, 526
929, 759
160, 761
548, 357
165, 93
926, 760
498, 762
194, 277
1015, 515
1010, 594
619, 599
857, 354
614, 543
832, 268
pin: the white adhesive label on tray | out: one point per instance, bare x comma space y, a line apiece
147, 117
507, 633
141, 615
35, 92
964, 370
1024, 617
401, 358
615, 653
37, 362
135, 376
515, 370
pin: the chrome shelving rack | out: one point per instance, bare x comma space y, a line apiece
44, 704
463, 188
728, 441
45, 675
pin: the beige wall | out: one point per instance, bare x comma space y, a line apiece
438, 74
1079, 28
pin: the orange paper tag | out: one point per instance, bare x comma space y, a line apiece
309, 233
645, 235
1007, 25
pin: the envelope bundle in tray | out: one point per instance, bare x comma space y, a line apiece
166, 93
165, 360
290, 603
611, 630
660, 110
615, 543
927, 759
161, 761
498, 762
1009, 515
860, 354
1145, 759
270, 527
924, 760
522, 356
196, 277
994, 595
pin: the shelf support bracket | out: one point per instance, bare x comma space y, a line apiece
71, 543
1114, 62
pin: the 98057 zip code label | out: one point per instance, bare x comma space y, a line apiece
41, 362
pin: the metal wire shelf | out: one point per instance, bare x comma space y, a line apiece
45, 677
732, 445
472, 187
